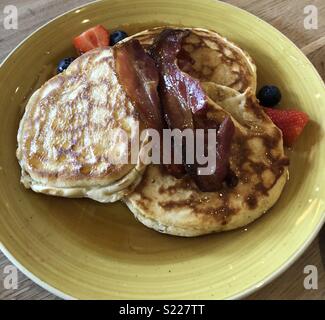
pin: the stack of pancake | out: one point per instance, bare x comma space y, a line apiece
68, 135
68, 139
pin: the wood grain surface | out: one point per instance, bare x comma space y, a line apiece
287, 16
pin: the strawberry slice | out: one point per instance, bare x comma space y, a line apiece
92, 38
291, 123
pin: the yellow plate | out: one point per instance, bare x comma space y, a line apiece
83, 249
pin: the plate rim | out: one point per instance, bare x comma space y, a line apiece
243, 294
3, 249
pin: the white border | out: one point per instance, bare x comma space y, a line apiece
240, 295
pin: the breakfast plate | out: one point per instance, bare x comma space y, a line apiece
78, 248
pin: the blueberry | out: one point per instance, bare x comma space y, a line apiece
269, 96
64, 64
117, 36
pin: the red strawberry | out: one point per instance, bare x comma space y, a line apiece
92, 38
291, 123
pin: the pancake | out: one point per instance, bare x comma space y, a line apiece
68, 140
258, 169
213, 58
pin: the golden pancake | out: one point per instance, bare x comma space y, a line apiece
257, 161
69, 143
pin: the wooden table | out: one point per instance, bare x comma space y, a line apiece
287, 16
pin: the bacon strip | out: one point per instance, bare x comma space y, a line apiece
138, 74
180, 94
184, 101
214, 181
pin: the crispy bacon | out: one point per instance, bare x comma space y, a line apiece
180, 94
184, 101
224, 137
138, 74
225, 133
